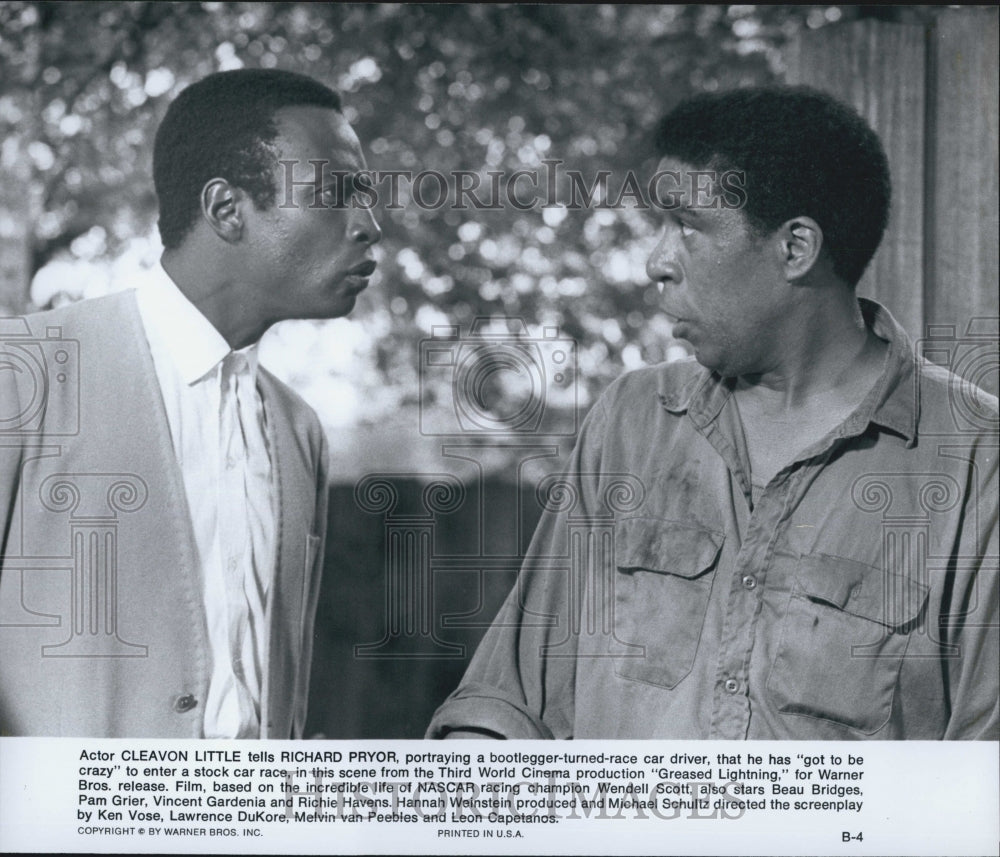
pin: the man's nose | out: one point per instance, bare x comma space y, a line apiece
661, 267
364, 229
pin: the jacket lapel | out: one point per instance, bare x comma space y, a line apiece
294, 493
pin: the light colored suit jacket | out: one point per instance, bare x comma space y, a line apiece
102, 627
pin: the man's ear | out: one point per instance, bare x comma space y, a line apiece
220, 206
801, 241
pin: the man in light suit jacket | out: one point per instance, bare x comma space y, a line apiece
162, 498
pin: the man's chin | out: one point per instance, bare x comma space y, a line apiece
344, 306
712, 361
720, 366
336, 307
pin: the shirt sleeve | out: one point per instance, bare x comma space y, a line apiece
513, 688
972, 622
10, 459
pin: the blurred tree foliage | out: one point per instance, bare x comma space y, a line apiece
428, 87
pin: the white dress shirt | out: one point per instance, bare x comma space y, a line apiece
219, 432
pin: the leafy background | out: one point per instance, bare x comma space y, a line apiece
439, 87
427, 87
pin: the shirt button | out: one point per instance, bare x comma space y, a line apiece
732, 685
184, 703
749, 581
230, 463
232, 563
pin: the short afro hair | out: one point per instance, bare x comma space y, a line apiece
801, 153
223, 126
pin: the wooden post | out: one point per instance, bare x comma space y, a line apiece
964, 223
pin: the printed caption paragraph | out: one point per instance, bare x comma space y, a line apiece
486, 797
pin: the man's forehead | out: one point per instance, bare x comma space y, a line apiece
307, 132
690, 187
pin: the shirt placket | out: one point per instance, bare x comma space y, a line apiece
731, 709
234, 537
731, 693
746, 581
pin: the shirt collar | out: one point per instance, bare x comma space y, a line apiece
893, 402
194, 345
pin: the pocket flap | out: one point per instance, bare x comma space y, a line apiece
860, 589
668, 547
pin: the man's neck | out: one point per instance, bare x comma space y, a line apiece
830, 356
220, 295
825, 376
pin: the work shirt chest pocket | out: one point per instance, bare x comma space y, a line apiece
842, 642
662, 585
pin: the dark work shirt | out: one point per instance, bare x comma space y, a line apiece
663, 596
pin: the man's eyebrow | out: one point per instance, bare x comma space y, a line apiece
339, 178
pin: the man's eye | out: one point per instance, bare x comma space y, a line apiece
687, 230
332, 196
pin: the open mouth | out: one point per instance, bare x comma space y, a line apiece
364, 269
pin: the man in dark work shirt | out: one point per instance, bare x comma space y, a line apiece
788, 536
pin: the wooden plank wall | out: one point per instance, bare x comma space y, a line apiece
879, 69
931, 92
964, 223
